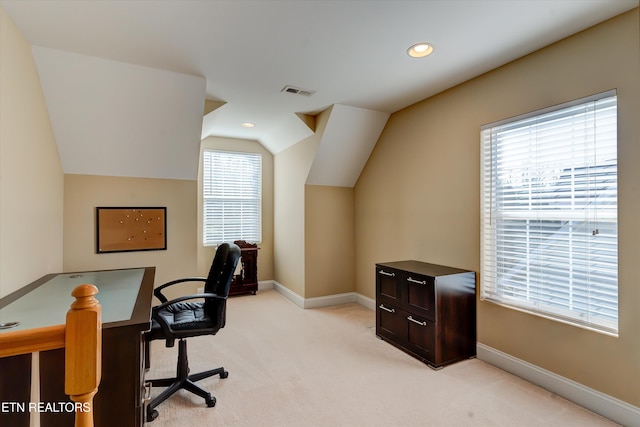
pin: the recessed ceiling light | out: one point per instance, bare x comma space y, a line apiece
420, 50
247, 124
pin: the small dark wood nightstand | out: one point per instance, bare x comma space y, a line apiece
247, 281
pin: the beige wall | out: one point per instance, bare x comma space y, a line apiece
31, 178
83, 193
265, 254
291, 168
329, 241
419, 195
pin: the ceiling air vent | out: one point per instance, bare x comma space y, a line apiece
297, 90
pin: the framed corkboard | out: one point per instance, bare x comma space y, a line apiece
123, 229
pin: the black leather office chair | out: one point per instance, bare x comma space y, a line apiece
181, 318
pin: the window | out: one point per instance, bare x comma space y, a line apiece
231, 196
549, 234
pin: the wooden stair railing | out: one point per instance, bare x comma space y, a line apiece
82, 339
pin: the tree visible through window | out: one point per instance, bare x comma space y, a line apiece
231, 196
549, 237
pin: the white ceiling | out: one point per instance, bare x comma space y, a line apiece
352, 53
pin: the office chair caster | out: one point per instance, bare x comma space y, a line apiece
211, 401
152, 415
224, 374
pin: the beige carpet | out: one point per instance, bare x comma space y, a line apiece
325, 367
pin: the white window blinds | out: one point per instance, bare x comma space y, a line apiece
231, 196
549, 235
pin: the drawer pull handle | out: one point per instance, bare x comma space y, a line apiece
390, 310
419, 282
387, 274
416, 321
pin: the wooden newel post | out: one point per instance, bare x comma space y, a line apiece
83, 352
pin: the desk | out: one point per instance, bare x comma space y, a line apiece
125, 296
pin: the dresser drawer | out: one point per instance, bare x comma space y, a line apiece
390, 322
420, 295
388, 283
412, 333
421, 336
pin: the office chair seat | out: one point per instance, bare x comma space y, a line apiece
189, 316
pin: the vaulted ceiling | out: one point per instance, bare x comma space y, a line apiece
124, 79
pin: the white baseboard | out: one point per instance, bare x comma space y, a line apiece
325, 301
288, 294
265, 284
600, 403
367, 302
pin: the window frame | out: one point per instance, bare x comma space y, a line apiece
253, 203
493, 223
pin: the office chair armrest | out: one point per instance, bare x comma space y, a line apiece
189, 297
158, 291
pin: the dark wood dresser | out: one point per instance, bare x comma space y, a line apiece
427, 310
247, 281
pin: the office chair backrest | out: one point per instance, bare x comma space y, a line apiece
219, 279
215, 272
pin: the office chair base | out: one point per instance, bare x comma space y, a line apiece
182, 381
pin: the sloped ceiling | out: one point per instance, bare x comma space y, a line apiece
118, 119
345, 145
